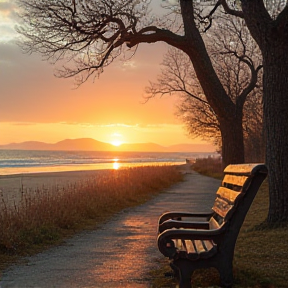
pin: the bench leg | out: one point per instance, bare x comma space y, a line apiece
183, 271
226, 276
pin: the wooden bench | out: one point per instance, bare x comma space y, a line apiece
203, 240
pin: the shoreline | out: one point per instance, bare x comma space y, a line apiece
52, 173
13, 186
82, 167
13, 171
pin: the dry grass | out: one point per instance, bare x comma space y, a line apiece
209, 166
49, 214
261, 254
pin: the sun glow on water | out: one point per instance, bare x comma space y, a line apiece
116, 165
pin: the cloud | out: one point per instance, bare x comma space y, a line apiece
128, 65
118, 125
7, 32
6, 7
22, 124
8, 18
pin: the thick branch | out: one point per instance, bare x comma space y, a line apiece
204, 69
282, 21
257, 19
153, 34
230, 11
251, 85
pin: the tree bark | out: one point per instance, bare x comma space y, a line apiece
276, 125
229, 114
272, 38
232, 141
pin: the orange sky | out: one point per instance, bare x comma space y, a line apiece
35, 105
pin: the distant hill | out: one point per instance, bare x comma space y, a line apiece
29, 145
85, 144
88, 144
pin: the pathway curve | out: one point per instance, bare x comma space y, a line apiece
120, 253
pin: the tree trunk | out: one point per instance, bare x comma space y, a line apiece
232, 141
272, 38
229, 116
275, 84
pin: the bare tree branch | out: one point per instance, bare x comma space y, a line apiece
229, 10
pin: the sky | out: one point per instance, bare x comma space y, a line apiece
37, 106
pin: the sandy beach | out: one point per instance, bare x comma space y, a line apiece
11, 186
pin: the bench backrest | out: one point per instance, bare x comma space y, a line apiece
239, 186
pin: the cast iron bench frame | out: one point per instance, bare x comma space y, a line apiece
203, 240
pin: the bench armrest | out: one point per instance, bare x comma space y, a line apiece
178, 215
167, 236
169, 224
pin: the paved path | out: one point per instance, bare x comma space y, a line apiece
120, 253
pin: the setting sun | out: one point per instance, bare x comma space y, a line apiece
116, 142
117, 139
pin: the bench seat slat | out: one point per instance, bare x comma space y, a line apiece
190, 247
195, 249
228, 194
180, 245
208, 244
213, 224
245, 169
221, 207
234, 180
200, 248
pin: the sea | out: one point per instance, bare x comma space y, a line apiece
34, 161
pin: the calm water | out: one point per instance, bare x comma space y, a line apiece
23, 161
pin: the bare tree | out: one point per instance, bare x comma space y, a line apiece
200, 120
236, 59
91, 33
267, 22
178, 78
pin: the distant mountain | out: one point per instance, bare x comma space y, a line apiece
88, 144
85, 144
29, 145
